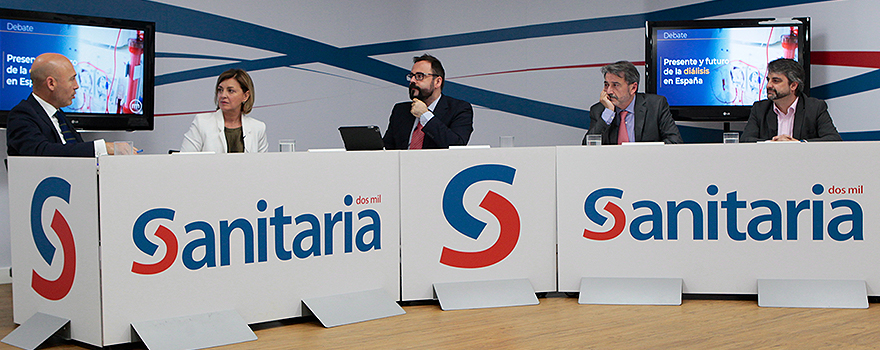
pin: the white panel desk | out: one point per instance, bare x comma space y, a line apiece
258, 233
764, 211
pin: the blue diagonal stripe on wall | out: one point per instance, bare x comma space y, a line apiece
687, 12
859, 83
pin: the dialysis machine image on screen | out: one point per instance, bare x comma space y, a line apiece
113, 59
714, 70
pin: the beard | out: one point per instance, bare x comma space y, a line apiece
416, 92
773, 94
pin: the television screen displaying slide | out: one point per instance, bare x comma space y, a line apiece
113, 60
697, 65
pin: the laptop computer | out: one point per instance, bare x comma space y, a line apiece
362, 138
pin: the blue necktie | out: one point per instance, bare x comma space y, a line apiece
66, 130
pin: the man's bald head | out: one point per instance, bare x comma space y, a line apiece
54, 79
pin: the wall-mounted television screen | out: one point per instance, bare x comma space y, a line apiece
714, 70
113, 58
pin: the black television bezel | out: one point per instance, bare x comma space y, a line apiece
720, 113
99, 121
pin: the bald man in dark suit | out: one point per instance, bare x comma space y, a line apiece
37, 126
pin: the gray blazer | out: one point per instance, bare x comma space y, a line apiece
652, 117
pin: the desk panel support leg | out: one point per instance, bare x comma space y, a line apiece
337, 310
630, 291
194, 331
841, 294
485, 294
38, 328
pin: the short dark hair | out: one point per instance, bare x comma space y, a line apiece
436, 66
246, 83
790, 69
625, 68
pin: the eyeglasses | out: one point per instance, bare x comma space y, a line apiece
419, 76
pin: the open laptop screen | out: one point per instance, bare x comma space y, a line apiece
362, 138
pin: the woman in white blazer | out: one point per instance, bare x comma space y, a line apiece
229, 129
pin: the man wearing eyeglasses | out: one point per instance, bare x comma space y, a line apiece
623, 115
431, 119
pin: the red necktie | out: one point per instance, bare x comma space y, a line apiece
418, 137
622, 135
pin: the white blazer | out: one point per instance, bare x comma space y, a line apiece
206, 134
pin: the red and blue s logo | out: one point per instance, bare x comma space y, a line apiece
599, 219
140, 240
462, 221
59, 288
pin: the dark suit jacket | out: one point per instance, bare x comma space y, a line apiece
652, 117
29, 132
811, 122
452, 124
